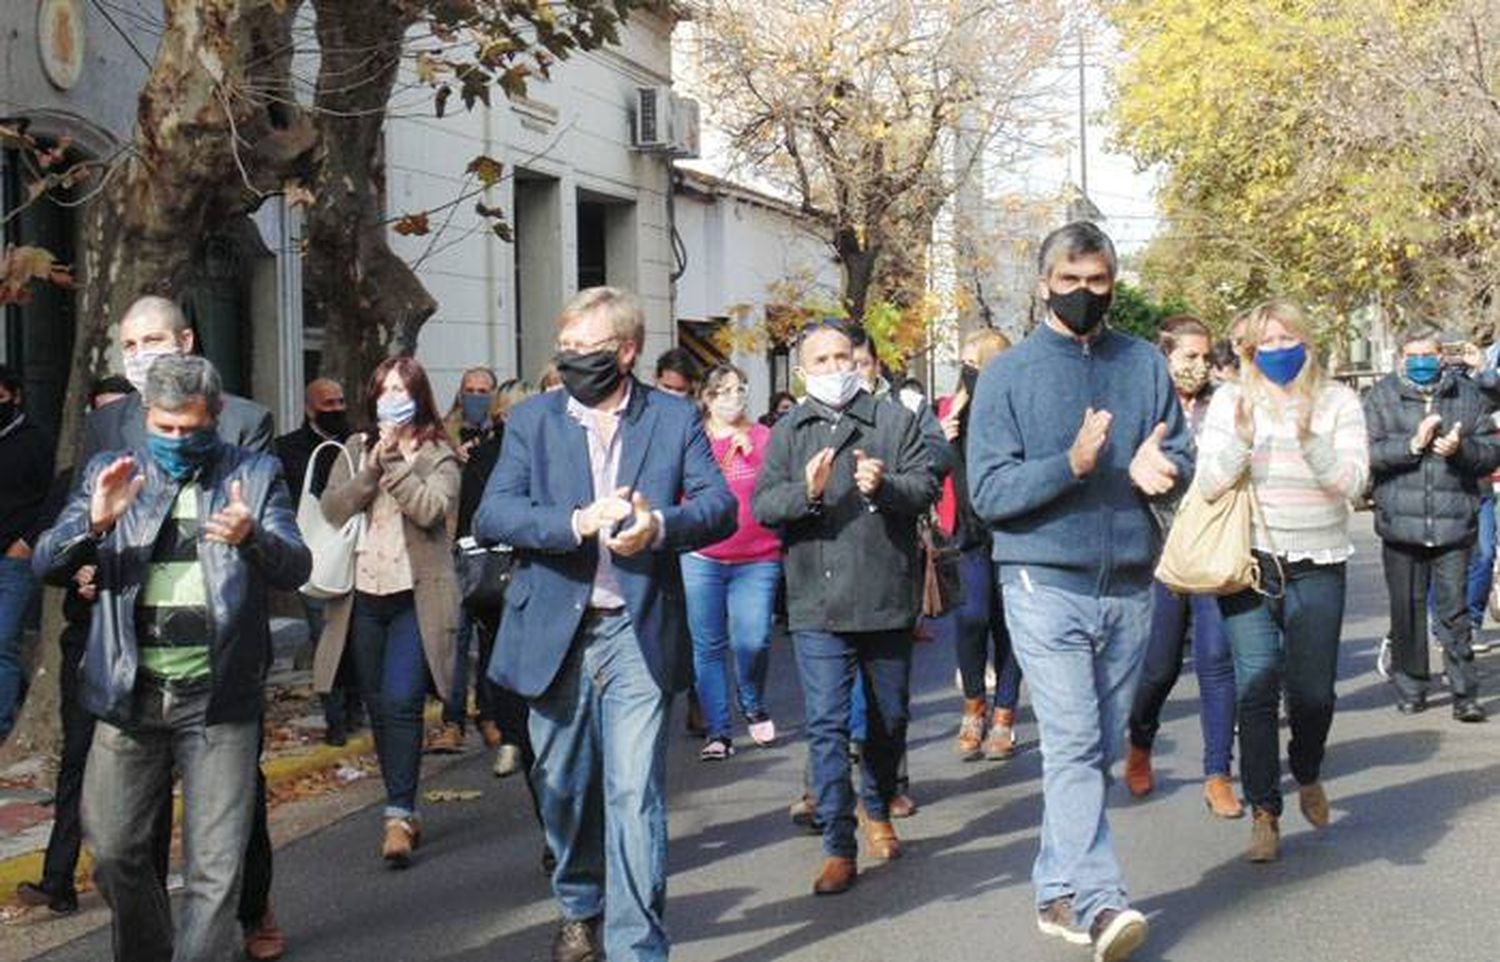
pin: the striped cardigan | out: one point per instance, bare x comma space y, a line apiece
1304, 488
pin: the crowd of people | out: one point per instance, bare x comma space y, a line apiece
647, 538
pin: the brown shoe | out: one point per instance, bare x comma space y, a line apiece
490, 732
1218, 795
577, 940
1138, 775
265, 942
880, 839
835, 877
902, 806
1265, 836
402, 836
1314, 802
1001, 741
448, 740
971, 730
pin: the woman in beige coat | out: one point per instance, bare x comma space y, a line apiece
396, 631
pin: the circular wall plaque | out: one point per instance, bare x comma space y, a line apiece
59, 29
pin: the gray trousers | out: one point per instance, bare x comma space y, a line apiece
129, 772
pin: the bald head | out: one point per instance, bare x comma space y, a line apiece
323, 394
154, 323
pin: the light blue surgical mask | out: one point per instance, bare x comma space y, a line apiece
475, 409
1424, 369
398, 410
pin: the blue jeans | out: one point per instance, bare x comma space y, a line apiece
829, 664
386, 643
730, 607
1482, 562
977, 625
601, 777
17, 589
1170, 624
1286, 644
127, 779
1082, 655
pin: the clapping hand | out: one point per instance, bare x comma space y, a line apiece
868, 473
1084, 455
115, 490
233, 523
1447, 445
1426, 433
641, 534
818, 471
604, 513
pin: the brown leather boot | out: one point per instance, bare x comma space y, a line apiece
1138, 776
1218, 795
265, 942
448, 740
836, 876
1265, 837
490, 732
880, 839
1314, 803
402, 836
971, 729
1000, 744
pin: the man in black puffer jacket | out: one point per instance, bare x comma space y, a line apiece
1430, 448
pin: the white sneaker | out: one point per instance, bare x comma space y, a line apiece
1383, 658
1121, 933
763, 731
507, 760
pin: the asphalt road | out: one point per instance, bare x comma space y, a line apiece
1406, 871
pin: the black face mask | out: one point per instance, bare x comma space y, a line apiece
1081, 310
968, 379
589, 378
335, 424
8, 412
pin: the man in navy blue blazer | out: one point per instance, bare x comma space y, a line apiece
599, 487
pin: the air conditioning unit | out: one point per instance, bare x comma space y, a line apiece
664, 122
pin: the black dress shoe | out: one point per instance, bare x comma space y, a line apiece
578, 941
1469, 711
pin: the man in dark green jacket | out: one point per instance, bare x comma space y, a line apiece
845, 479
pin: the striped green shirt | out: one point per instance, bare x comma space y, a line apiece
172, 623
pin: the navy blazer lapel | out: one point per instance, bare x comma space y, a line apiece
635, 436
574, 443
132, 414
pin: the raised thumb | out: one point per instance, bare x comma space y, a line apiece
236, 492
1160, 433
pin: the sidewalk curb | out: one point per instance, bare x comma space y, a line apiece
278, 771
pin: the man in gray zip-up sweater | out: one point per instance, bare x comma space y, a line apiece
1073, 432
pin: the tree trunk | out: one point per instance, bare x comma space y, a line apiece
858, 263
216, 132
370, 302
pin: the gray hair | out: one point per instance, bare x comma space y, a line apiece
176, 380
1422, 334
161, 308
1077, 239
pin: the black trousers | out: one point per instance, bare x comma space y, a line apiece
504, 707
1415, 576
63, 845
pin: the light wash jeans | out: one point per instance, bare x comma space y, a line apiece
126, 779
601, 778
1082, 655
730, 608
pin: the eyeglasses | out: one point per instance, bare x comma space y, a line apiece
738, 391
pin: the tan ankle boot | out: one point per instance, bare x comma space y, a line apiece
1218, 795
1265, 837
880, 839
835, 877
1314, 803
402, 835
971, 729
1000, 744
1138, 776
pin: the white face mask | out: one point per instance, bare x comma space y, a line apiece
138, 365
911, 400
835, 389
728, 408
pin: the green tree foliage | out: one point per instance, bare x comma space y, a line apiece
1135, 312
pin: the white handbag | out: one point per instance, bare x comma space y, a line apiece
332, 547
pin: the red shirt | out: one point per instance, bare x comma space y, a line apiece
752, 541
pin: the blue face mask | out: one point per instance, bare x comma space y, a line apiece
1281, 366
184, 456
395, 410
1424, 368
475, 408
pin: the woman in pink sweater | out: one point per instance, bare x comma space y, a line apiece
731, 586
